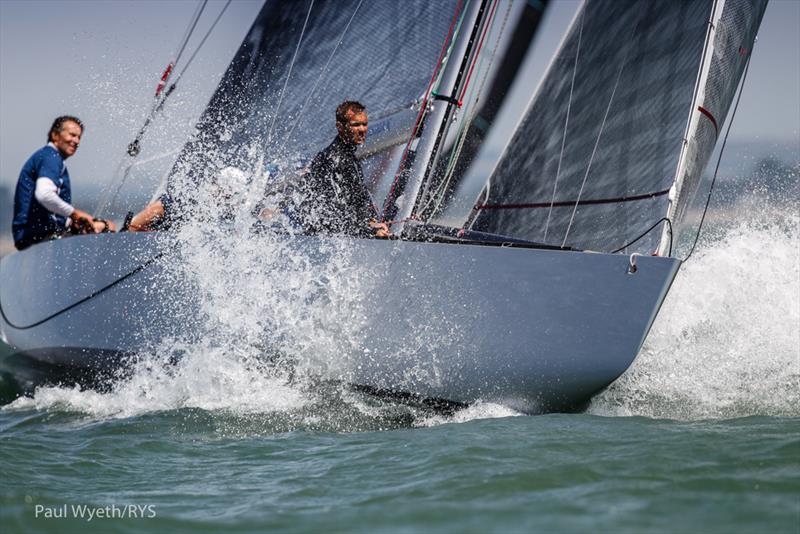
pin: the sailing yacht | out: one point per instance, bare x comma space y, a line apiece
529, 279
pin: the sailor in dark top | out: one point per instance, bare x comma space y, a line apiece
334, 197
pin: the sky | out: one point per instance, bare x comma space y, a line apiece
101, 59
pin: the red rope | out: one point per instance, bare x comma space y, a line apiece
422, 109
164, 78
710, 117
570, 202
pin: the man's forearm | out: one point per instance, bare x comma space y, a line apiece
47, 195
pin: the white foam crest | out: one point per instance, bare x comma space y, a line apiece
727, 341
209, 379
479, 410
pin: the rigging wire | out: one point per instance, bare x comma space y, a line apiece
189, 30
596, 144
719, 160
426, 185
663, 219
473, 217
566, 125
439, 195
194, 54
477, 52
458, 100
289, 73
319, 79
134, 148
446, 46
160, 98
467, 124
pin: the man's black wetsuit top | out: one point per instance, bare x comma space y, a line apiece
335, 199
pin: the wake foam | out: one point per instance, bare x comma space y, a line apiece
727, 340
206, 378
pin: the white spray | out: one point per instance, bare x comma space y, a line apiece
727, 340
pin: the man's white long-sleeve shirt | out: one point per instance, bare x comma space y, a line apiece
47, 195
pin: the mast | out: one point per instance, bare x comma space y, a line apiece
425, 147
482, 106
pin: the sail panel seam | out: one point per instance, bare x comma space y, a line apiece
566, 203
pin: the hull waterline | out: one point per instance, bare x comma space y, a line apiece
537, 330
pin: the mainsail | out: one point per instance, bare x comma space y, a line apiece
594, 159
299, 60
275, 103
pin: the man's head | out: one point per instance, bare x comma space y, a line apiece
65, 134
351, 122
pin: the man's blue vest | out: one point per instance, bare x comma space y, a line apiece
32, 221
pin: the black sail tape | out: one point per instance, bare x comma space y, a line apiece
449, 99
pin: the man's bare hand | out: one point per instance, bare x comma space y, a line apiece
381, 229
82, 221
103, 226
147, 218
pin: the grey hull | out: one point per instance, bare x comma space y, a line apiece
538, 330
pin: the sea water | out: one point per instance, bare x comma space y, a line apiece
702, 434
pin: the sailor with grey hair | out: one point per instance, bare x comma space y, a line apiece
43, 198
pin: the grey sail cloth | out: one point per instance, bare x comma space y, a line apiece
379, 52
636, 67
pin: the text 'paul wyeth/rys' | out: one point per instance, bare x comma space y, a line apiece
89, 513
